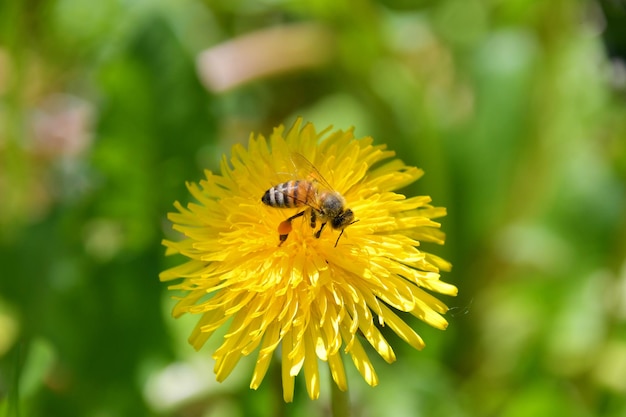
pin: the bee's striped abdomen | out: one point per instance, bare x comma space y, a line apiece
295, 193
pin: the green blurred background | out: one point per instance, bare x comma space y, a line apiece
516, 110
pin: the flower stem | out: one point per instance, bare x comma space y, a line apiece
340, 401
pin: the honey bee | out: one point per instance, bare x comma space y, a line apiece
321, 201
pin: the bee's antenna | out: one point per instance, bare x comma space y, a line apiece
342, 230
340, 234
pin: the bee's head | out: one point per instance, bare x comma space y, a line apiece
343, 220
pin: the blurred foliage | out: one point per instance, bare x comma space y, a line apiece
516, 111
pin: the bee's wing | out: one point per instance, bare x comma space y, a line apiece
303, 165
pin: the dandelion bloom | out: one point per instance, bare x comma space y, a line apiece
310, 298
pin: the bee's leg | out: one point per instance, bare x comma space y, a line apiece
313, 219
284, 228
319, 232
295, 216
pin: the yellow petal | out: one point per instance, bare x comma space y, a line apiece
270, 341
311, 372
337, 371
402, 329
287, 366
363, 364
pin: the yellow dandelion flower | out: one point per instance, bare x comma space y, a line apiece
311, 298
